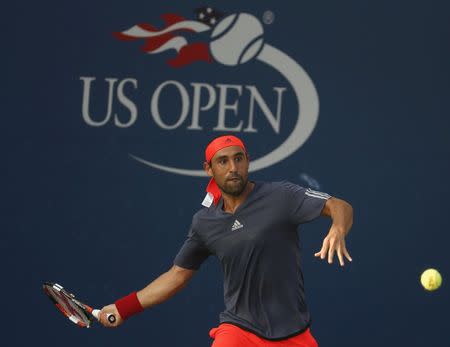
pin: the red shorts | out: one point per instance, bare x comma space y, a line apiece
229, 335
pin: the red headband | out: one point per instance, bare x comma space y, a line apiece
214, 146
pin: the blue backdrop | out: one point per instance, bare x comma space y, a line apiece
82, 208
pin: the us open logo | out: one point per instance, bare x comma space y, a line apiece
233, 40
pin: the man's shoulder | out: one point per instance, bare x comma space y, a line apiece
278, 186
202, 213
280, 189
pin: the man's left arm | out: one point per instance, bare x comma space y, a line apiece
341, 213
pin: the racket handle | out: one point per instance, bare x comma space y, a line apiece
111, 318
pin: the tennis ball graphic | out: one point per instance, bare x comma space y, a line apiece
431, 279
237, 39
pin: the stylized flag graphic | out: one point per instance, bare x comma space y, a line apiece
169, 37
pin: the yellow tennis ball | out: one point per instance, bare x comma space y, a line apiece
431, 279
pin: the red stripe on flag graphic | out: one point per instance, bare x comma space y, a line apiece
188, 54
160, 40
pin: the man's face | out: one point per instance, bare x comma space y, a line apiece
229, 167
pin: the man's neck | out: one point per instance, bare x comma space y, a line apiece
231, 203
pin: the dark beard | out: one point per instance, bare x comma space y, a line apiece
234, 189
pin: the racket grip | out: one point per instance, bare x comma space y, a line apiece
111, 318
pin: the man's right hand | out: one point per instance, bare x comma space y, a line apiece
110, 309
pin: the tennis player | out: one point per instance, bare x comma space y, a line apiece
251, 227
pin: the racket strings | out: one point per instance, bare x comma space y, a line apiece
67, 305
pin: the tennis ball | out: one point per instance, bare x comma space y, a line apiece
431, 279
237, 39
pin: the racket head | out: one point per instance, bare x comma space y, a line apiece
66, 303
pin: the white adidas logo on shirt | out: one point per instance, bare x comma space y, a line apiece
236, 225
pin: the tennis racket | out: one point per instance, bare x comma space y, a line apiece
78, 312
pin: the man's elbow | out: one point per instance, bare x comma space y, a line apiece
348, 207
335, 206
181, 275
350, 212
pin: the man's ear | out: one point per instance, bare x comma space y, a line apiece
207, 168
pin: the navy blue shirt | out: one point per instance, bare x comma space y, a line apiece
258, 249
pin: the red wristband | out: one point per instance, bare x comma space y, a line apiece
129, 306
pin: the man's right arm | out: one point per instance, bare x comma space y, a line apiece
158, 291
165, 286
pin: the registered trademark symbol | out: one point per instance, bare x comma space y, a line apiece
268, 17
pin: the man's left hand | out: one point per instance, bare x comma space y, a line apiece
334, 242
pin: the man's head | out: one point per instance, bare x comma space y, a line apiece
227, 162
